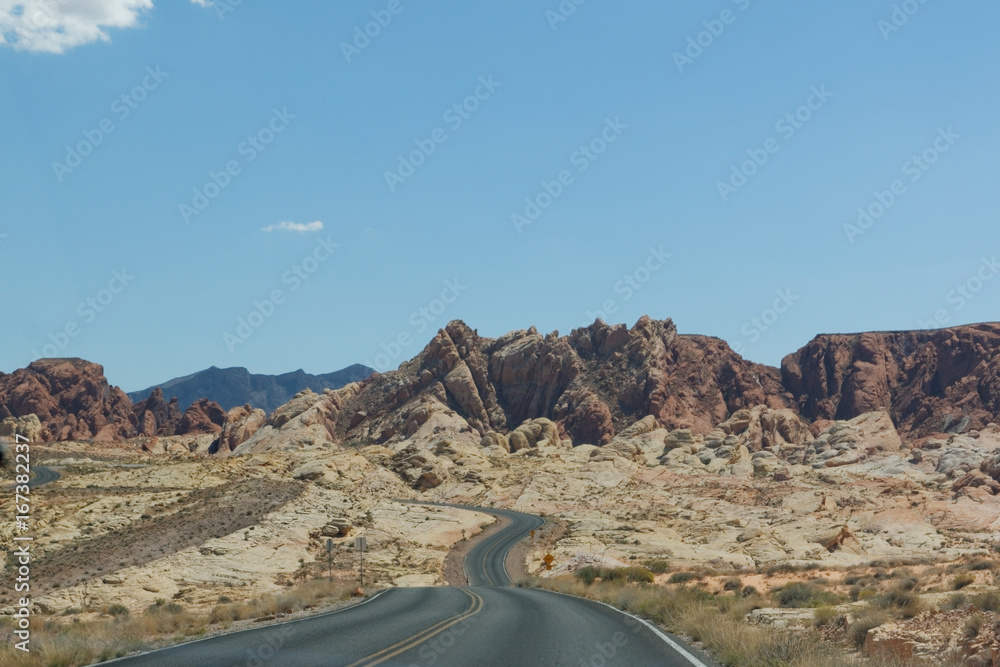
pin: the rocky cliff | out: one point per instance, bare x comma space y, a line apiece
72, 399
592, 383
946, 380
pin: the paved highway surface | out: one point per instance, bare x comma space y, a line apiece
485, 624
42, 477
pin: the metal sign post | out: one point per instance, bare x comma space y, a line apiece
329, 560
361, 544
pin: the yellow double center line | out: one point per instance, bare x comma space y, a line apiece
423, 635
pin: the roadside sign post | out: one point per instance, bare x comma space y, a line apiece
361, 544
548, 561
329, 559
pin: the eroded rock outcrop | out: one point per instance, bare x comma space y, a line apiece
71, 398
591, 384
204, 416
240, 424
27, 427
155, 416
928, 381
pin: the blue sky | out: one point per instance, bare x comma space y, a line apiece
627, 135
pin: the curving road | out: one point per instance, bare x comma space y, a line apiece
486, 624
42, 476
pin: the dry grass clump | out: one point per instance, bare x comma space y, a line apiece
76, 642
714, 620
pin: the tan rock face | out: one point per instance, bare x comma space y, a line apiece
848, 442
928, 381
27, 427
71, 398
240, 424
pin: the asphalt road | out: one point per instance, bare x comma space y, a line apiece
42, 477
484, 566
485, 624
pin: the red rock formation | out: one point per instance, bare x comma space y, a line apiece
928, 381
592, 383
155, 416
71, 398
204, 416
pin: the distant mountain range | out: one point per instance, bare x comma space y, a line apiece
230, 387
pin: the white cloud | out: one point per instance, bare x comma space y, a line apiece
54, 26
295, 227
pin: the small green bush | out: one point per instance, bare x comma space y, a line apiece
682, 577
961, 581
858, 630
118, 610
658, 566
987, 601
798, 595
587, 574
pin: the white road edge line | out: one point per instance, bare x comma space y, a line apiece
659, 633
229, 634
681, 651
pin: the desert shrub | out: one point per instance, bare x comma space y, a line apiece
864, 622
118, 610
797, 595
682, 577
987, 600
972, 626
956, 601
979, 565
658, 566
733, 584
635, 573
825, 615
961, 581
897, 597
866, 594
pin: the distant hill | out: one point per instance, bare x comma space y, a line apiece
230, 387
